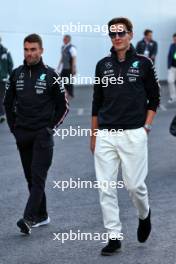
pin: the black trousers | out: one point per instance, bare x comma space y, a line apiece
69, 86
36, 152
2, 93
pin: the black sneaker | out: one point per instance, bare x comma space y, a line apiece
25, 226
42, 221
2, 119
144, 228
112, 247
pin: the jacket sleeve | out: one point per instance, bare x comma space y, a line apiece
60, 101
138, 50
152, 87
9, 102
155, 49
169, 58
10, 63
97, 93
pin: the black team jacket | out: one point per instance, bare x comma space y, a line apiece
34, 98
124, 105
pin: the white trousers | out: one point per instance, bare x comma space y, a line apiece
130, 150
171, 82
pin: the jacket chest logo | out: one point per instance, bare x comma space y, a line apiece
108, 65
40, 84
109, 72
133, 71
20, 84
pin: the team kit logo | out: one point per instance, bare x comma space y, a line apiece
135, 64
108, 65
41, 84
20, 82
42, 76
133, 71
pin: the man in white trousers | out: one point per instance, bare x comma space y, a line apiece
124, 104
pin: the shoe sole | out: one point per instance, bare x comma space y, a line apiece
24, 227
46, 222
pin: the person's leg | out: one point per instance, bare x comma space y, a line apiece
24, 141
25, 147
42, 213
68, 86
42, 158
26, 159
106, 168
133, 151
171, 83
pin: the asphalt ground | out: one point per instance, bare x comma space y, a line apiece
78, 209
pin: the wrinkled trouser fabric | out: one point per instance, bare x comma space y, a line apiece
128, 149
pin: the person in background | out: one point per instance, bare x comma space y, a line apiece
67, 64
147, 46
172, 70
6, 66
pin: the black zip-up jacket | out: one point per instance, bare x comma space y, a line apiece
34, 99
152, 47
124, 106
6, 64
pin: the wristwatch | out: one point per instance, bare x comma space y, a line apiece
148, 127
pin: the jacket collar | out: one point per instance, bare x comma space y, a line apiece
129, 54
35, 66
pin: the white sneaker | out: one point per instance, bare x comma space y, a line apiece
42, 223
171, 101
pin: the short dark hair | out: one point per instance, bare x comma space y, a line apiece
147, 31
174, 35
67, 36
122, 20
34, 38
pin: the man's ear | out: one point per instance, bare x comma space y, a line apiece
131, 35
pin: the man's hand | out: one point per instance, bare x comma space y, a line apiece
93, 135
92, 144
147, 130
73, 68
150, 116
153, 57
74, 71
